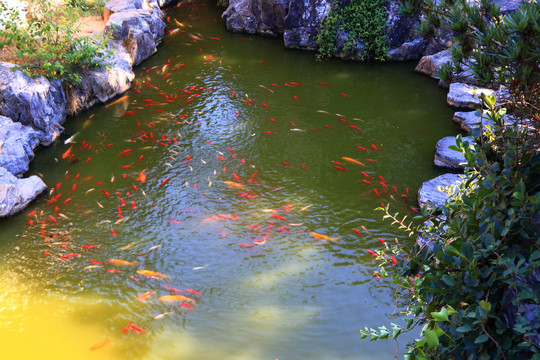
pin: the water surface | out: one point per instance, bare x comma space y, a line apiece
211, 107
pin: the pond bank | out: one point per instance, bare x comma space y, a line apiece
32, 111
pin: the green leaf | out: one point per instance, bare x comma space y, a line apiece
481, 339
441, 315
431, 338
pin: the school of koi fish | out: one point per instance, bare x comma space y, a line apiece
234, 176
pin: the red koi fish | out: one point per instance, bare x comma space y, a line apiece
88, 247
278, 216
393, 259
376, 192
357, 231
124, 153
343, 94
354, 127
164, 181
252, 177
366, 175
113, 233
253, 226
382, 179
295, 83
261, 240
343, 120
246, 195
269, 132
193, 291
328, 126
340, 168
324, 84
173, 290
374, 147
282, 229
70, 255
274, 120
304, 166
381, 241
296, 98
106, 193
30, 222
187, 306
372, 253
362, 148
285, 163
53, 219
263, 104
67, 153
376, 276
245, 245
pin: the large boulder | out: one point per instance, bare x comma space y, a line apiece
39, 103
264, 17
433, 192
116, 6
410, 50
466, 96
469, 120
303, 23
139, 31
447, 158
16, 194
431, 64
102, 84
17, 144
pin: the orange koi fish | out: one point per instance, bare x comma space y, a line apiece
287, 208
234, 184
100, 344
145, 296
120, 262
306, 207
152, 274
352, 161
67, 153
173, 298
323, 237
88, 247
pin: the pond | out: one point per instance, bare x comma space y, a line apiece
185, 207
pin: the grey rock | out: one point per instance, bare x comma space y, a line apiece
101, 85
16, 194
431, 64
466, 96
116, 6
429, 192
17, 144
447, 158
139, 31
303, 23
469, 120
399, 27
411, 50
264, 17
39, 103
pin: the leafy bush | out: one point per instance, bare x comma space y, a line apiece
363, 22
49, 44
474, 287
89, 6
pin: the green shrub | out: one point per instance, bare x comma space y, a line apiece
49, 44
363, 21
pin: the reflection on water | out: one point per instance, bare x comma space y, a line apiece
178, 218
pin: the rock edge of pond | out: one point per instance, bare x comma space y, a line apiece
32, 111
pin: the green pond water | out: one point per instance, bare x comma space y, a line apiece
200, 113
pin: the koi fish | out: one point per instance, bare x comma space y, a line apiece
120, 262
343, 94
285, 163
245, 245
354, 127
372, 253
144, 296
376, 276
137, 329
234, 184
124, 153
340, 168
173, 290
374, 147
376, 192
117, 101
323, 83
322, 237
362, 148
278, 216
70, 255
173, 298
381, 241
357, 231
88, 247
366, 175
100, 344
221, 216
193, 291
366, 182
352, 161
67, 153
304, 166
152, 274
164, 181
187, 306
296, 98
246, 195
306, 207
393, 259
252, 177
160, 316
